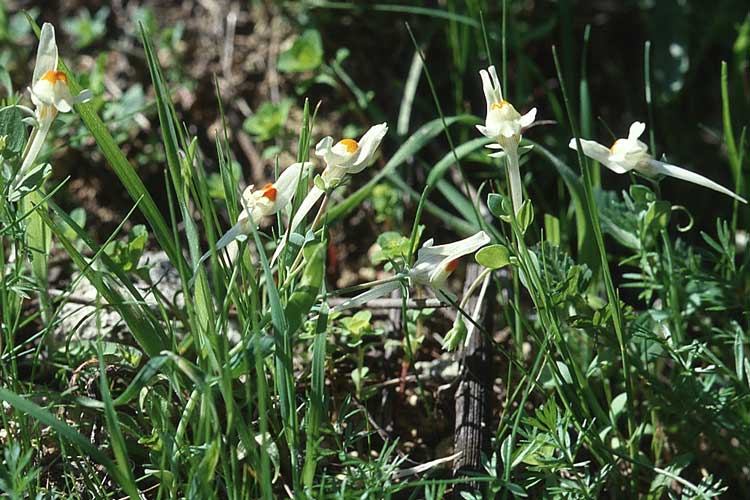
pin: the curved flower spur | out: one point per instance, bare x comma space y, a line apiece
630, 153
259, 203
432, 268
50, 94
505, 125
346, 157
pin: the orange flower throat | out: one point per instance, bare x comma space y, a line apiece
269, 192
53, 77
350, 144
451, 266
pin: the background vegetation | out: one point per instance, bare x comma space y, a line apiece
117, 383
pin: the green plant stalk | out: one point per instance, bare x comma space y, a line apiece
548, 318
69, 434
735, 162
443, 121
673, 297
316, 401
505, 45
297, 264
649, 99
263, 399
485, 39
409, 351
514, 177
585, 101
39, 243
612, 296
140, 321
587, 252
117, 440
283, 363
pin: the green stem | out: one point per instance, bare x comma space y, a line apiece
612, 296
514, 174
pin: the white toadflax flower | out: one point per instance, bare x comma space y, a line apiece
433, 267
630, 153
349, 156
49, 87
260, 203
346, 157
435, 263
271, 198
50, 94
505, 125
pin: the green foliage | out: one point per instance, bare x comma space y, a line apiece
305, 54
306, 292
386, 202
268, 120
392, 248
126, 254
493, 256
16, 473
12, 131
622, 362
87, 29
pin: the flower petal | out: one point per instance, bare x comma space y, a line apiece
43, 92
490, 132
63, 98
636, 130
600, 153
368, 145
46, 55
83, 96
432, 261
528, 118
489, 91
324, 146
496, 84
286, 185
307, 204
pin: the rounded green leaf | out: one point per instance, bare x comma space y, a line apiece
493, 256
305, 54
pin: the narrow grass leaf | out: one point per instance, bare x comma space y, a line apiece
69, 434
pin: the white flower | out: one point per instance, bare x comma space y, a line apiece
50, 94
435, 263
433, 266
505, 125
349, 156
346, 157
49, 87
632, 154
259, 203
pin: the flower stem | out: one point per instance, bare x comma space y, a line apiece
298, 259
32, 150
472, 288
514, 174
